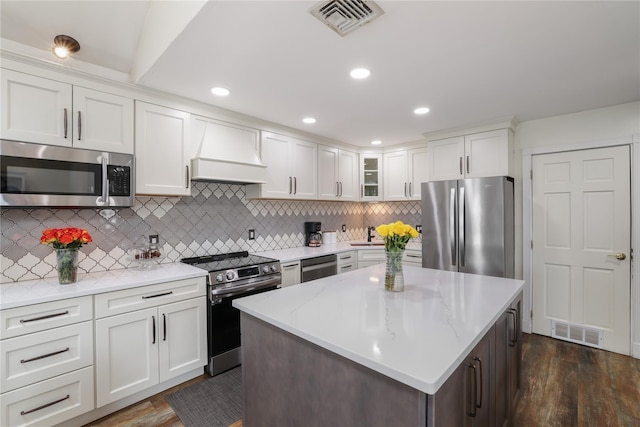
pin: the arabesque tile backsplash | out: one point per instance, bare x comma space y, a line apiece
215, 219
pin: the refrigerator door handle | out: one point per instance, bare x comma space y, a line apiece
452, 225
461, 226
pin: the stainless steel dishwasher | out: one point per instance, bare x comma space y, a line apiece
318, 267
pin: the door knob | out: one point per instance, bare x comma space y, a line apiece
619, 256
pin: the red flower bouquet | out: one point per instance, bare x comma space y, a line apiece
65, 238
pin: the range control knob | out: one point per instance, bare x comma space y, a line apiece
230, 275
274, 268
219, 277
266, 269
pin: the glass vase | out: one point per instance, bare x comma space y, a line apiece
67, 265
393, 276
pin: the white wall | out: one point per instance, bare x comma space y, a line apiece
618, 122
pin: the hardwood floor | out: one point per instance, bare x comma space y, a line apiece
564, 385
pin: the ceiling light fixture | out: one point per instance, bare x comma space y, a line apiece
421, 110
63, 46
376, 142
309, 120
360, 73
220, 91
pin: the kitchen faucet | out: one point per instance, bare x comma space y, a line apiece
369, 230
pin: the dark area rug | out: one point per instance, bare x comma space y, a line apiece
215, 402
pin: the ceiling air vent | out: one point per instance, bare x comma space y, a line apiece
344, 16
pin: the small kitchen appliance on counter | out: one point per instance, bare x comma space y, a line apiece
312, 234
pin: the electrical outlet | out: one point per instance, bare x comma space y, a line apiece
252, 234
153, 239
344, 227
419, 228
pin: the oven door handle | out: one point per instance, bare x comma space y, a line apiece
241, 289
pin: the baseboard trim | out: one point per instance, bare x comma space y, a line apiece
103, 411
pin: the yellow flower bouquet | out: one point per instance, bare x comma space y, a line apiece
396, 235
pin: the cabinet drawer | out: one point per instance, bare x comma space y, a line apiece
49, 402
371, 255
118, 302
35, 357
346, 258
38, 317
347, 267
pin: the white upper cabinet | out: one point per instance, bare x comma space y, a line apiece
291, 168
472, 156
370, 177
102, 121
337, 174
404, 172
44, 111
162, 162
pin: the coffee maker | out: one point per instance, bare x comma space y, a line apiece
312, 234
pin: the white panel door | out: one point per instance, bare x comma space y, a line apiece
581, 221
102, 121
395, 176
418, 161
126, 354
305, 169
36, 109
446, 159
162, 137
182, 336
328, 185
277, 156
348, 175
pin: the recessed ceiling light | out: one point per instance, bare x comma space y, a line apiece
309, 120
376, 142
220, 91
360, 73
63, 46
421, 110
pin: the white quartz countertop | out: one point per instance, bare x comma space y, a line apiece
295, 254
28, 292
417, 337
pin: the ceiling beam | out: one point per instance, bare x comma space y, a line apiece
164, 22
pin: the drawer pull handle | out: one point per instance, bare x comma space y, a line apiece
347, 266
48, 316
46, 405
157, 295
44, 356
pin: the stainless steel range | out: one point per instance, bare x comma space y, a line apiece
233, 275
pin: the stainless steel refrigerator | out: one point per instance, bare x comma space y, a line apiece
468, 226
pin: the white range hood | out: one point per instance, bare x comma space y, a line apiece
227, 153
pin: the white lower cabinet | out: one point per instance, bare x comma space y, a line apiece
46, 374
347, 261
49, 402
137, 350
412, 257
367, 257
290, 273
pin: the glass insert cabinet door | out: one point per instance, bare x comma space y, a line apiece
371, 177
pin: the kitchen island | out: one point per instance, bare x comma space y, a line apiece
343, 351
